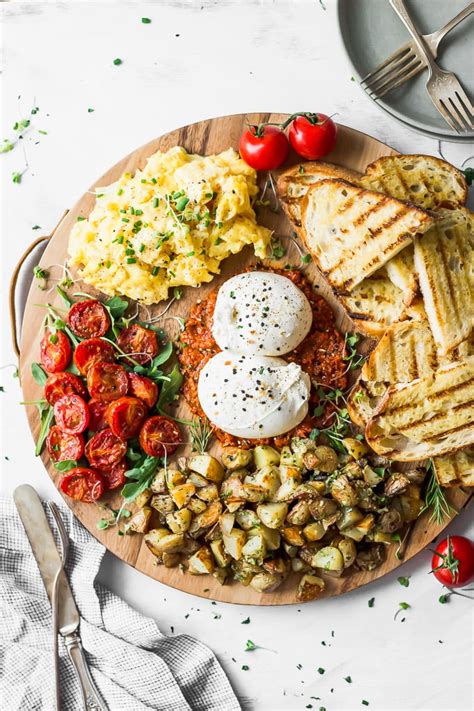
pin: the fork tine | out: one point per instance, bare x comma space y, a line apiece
397, 77
381, 73
371, 76
447, 113
417, 68
463, 107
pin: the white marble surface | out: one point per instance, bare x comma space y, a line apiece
196, 60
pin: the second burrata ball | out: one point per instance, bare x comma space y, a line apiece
260, 313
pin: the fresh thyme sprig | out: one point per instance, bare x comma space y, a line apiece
201, 433
435, 498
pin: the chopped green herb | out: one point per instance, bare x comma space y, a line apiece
90, 111
245, 667
246, 621
177, 293
155, 271
79, 218
306, 258
277, 249
250, 646
404, 581
131, 260
371, 602
348, 679
117, 61
364, 702
6, 146
443, 599
146, 20
301, 169
16, 177
321, 670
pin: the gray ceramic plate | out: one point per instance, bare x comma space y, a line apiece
371, 31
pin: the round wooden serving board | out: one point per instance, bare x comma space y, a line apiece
354, 150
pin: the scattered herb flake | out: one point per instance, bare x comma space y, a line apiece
117, 61
246, 621
404, 581
250, 646
321, 670
348, 679
245, 667
146, 21
371, 602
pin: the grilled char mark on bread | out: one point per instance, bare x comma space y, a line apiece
427, 417
455, 470
352, 232
374, 304
401, 272
444, 260
426, 181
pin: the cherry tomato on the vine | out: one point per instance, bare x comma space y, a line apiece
264, 148
453, 561
313, 135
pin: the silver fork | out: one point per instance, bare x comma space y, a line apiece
444, 88
406, 62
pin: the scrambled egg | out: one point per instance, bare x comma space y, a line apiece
169, 225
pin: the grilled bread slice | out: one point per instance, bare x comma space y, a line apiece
352, 232
294, 183
444, 261
455, 470
374, 304
401, 272
405, 352
428, 417
426, 181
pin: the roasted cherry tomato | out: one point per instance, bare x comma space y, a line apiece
144, 388
125, 416
71, 414
107, 381
97, 410
88, 319
159, 436
92, 351
83, 484
141, 343
264, 148
104, 449
114, 476
453, 561
60, 384
55, 351
313, 135
62, 446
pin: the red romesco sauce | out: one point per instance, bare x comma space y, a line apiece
321, 355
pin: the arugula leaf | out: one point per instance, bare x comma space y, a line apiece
153, 371
46, 415
66, 465
141, 476
170, 388
116, 306
38, 374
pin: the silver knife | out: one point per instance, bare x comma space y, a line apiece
44, 549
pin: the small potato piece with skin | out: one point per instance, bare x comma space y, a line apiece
207, 518
272, 515
226, 522
174, 478
158, 485
290, 473
143, 498
287, 491
355, 448
314, 531
348, 550
350, 517
358, 532
321, 508
207, 466
171, 560
328, 558
327, 457
172, 543
208, 493
255, 548
266, 582
223, 559
153, 538
254, 493
202, 562
163, 504
290, 459
247, 519
236, 458
196, 505
182, 493
411, 503
179, 521
309, 588
293, 535
198, 480
234, 543
265, 456
269, 478
277, 566
343, 492
299, 514
272, 537
139, 521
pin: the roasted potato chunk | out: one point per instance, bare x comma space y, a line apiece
207, 466
219, 552
272, 515
343, 492
236, 458
234, 542
266, 582
328, 558
182, 493
153, 538
255, 548
309, 588
163, 504
314, 531
293, 535
202, 562
207, 518
158, 485
179, 521
138, 523
355, 448
299, 514
265, 456
143, 498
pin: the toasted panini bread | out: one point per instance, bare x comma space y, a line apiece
352, 232
401, 272
293, 184
405, 352
455, 470
374, 304
426, 181
428, 417
444, 259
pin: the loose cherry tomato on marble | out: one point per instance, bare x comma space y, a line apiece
125, 416
71, 414
91, 351
313, 135
159, 436
64, 447
264, 147
60, 384
55, 351
453, 561
88, 319
83, 484
104, 449
107, 381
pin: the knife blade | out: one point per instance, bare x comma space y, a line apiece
44, 549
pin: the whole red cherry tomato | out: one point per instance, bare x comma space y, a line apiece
59, 384
159, 436
125, 416
264, 148
83, 484
313, 135
144, 388
105, 449
64, 447
453, 561
88, 319
92, 351
55, 351
107, 381
71, 414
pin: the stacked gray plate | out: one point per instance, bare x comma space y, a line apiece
371, 31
